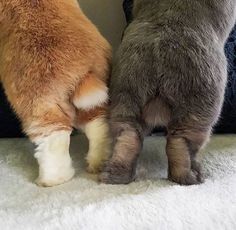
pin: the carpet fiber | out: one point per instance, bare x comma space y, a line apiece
152, 202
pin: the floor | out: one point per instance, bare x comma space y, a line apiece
151, 202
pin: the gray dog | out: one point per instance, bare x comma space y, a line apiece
170, 70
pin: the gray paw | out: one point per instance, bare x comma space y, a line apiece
190, 177
197, 169
117, 173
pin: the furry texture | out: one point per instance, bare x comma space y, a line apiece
169, 70
99, 144
52, 153
152, 202
227, 122
48, 51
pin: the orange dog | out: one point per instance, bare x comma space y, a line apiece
54, 65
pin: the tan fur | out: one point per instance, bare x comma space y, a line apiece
156, 113
182, 148
178, 157
47, 49
97, 131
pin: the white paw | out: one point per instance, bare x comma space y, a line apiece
97, 132
94, 169
56, 178
95, 162
55, 165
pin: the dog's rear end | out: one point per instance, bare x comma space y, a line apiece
54, 65
170, 70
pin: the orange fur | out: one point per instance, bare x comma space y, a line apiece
87, 116
88, 85
50, 54
47, 48
92, 92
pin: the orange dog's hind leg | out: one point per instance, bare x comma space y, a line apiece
90, 99
49, 127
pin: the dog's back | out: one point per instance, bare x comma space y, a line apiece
170, 70
44, 44
176, 48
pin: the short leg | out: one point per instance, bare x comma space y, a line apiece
194, 145
52, 153
90, 98
50, 130
127, 146
97, 131
182, 149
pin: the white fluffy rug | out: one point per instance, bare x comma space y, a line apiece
152, 202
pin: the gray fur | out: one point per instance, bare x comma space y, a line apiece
171, 62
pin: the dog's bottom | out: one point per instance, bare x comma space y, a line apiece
49, 124
184, 140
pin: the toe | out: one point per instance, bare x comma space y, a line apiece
188, 178
115, 173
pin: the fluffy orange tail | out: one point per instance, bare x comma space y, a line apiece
91, 93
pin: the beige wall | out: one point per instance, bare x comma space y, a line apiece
108, 16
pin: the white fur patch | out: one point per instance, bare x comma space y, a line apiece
52, 153
97, 132
91, 100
